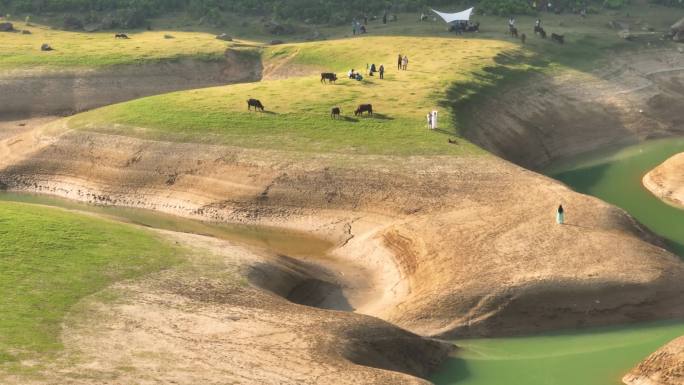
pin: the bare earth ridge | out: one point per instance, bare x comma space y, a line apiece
667, 181
664, 367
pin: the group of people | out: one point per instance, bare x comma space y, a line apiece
354, 75
358, 28
402, 62
432, 120
372, 69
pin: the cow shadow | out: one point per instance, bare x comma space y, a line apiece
382, 117
443, 131
349, 119
269, 112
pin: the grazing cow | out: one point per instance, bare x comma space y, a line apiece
523, 37
121, 36
542, 33
256, 103
335, 112
558, 38
329, 76
364, 108
473, 28
514, 31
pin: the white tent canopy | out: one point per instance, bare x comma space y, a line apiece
459, 16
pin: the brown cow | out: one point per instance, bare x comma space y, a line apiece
364, 108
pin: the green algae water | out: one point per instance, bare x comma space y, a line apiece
599, 356
615, 176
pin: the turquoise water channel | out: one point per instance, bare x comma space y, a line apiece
599, 356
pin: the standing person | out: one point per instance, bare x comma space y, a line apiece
354, 27
399, 60
404, 63
429, 120
511, 23
381, 70
560, 215
384, 18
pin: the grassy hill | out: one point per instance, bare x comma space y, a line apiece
298, 109
79, 50
50, 259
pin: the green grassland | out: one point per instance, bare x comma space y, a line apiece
298, 109
50, 259
93, 50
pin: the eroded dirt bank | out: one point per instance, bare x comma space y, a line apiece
452, 254
667, 181
636, 97
61, 92
664, 367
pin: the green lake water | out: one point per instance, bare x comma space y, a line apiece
599, 356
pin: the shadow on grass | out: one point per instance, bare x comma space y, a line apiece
381, 117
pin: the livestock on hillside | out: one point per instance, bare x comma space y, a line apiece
560, 39
329, 76
364, 108
256, 103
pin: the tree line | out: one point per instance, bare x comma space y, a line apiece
134, 12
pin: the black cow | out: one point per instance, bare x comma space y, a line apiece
514, 32
335, 112
121, 36
364, 108
329, 76
538, 29
558, 38
473, 27
256, 103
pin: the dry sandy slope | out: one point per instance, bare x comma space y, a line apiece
636, 97
664, 367
200, 323
667, 180
463, 246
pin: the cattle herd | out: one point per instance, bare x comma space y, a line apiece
538, 30
335, 112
